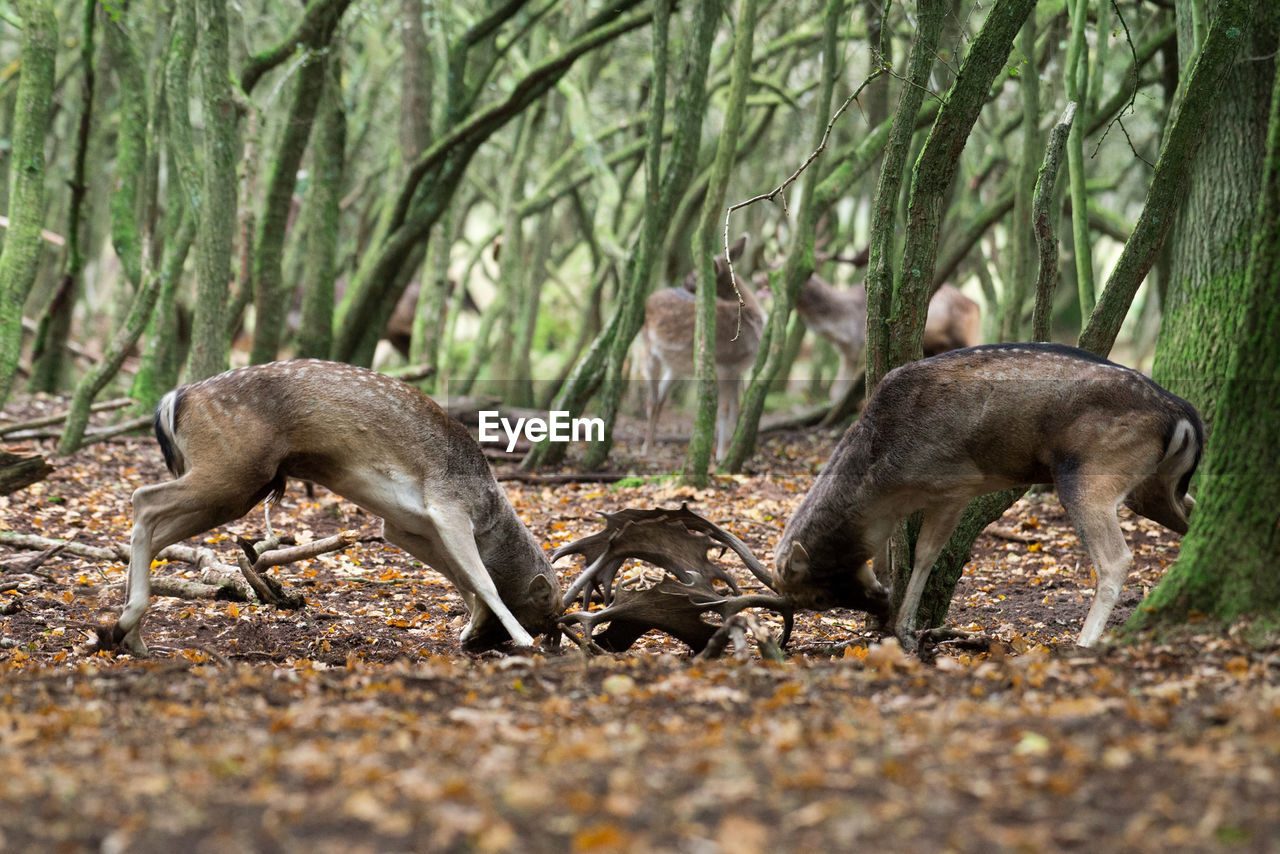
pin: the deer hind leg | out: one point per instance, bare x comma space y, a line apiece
939, 521
164, 514
659, 381
726, 414
445, 543
1091, 501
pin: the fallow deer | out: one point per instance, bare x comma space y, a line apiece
840, 316
943, 430
953, 321
667, 343
233, 439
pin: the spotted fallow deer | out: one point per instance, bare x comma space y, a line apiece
667, 345
943, 430
840, 316
233, 439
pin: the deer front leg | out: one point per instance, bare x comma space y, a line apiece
1091, 499
939, 521
447, 545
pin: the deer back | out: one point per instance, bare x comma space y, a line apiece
953, 321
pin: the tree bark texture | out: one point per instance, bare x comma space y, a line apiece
270, 291
698, 456
1209, 242
217, 213
20, 258
1227, 566
880, 271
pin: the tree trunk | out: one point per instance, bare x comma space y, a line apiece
1076, 72
1209, 249
798, 265
217, 212
710, 227
1023, 237
690, 108
126, 336
315, 334
1227, 566
20, 258
271, 293
48, 357
880, 276
1202, 88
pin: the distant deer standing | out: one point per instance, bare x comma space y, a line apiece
667, 342
941, 431
233, 439
840, 316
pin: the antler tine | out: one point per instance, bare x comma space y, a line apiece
719, 534
596, 577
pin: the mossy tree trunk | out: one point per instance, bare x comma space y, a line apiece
880, 271
711, 227
48, 356
798, 266
1209, 249
319, 269
217, 213
271, 293
1227, 566
20, 258
602, 364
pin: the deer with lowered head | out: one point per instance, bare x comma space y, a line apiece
667, 344
233, 439
941, 431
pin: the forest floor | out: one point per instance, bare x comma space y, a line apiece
358, 723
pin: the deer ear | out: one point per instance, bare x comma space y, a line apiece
544, 593
735, 251
798, 560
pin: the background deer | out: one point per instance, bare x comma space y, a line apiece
941, 431
233, 439
667, 343
840, 316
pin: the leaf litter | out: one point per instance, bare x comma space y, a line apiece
358, 724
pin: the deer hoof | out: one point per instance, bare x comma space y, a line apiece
116, 639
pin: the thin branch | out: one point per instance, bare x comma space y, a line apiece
781, 188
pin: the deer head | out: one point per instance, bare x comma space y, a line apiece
941, 431
232, 440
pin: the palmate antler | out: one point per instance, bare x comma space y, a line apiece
678, 542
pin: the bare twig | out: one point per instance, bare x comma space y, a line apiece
1133, 95
882, 68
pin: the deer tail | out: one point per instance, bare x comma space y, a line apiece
165, 423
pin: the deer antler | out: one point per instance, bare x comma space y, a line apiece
677, 541
676, 609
